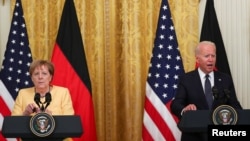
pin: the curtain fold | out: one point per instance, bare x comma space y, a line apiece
118, 39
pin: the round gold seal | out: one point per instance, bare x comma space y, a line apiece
225, 115
42, 124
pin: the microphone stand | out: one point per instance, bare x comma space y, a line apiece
38, 101
47, 99
226, 95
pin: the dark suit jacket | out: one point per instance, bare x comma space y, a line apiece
190, 91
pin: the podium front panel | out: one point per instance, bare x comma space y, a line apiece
19, 126
198, 121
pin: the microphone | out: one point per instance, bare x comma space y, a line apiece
226, 94
219, 97
47, 99
215, 92
37, 100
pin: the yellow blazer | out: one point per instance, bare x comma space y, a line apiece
60, 104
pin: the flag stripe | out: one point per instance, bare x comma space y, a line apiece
5, 111
146, 135
151, 128
6, 97
158, 122
1, 136
162, 117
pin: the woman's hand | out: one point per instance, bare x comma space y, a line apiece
30, 108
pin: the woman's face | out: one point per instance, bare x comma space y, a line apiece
41, 77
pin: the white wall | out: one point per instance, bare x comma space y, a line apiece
5, 18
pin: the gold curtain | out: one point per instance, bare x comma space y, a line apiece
118, 36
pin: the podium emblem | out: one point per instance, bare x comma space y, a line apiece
42, 124
225, 115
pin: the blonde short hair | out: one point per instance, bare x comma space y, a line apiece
38, 63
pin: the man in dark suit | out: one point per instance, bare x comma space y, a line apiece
190, 94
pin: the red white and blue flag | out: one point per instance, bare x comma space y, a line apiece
14, 74
159, 124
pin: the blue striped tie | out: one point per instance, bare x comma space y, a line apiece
208, 92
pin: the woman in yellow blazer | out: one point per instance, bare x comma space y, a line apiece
42, 72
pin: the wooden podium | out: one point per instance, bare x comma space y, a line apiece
19, 127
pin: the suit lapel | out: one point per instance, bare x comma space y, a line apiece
198, 83
217, 81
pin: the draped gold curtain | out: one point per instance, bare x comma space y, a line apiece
118, 36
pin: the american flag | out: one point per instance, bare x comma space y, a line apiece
14, 74
165, 68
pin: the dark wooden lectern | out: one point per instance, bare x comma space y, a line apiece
19, 127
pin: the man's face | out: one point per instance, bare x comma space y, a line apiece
206, 58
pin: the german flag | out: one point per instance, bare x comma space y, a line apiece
71, 69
